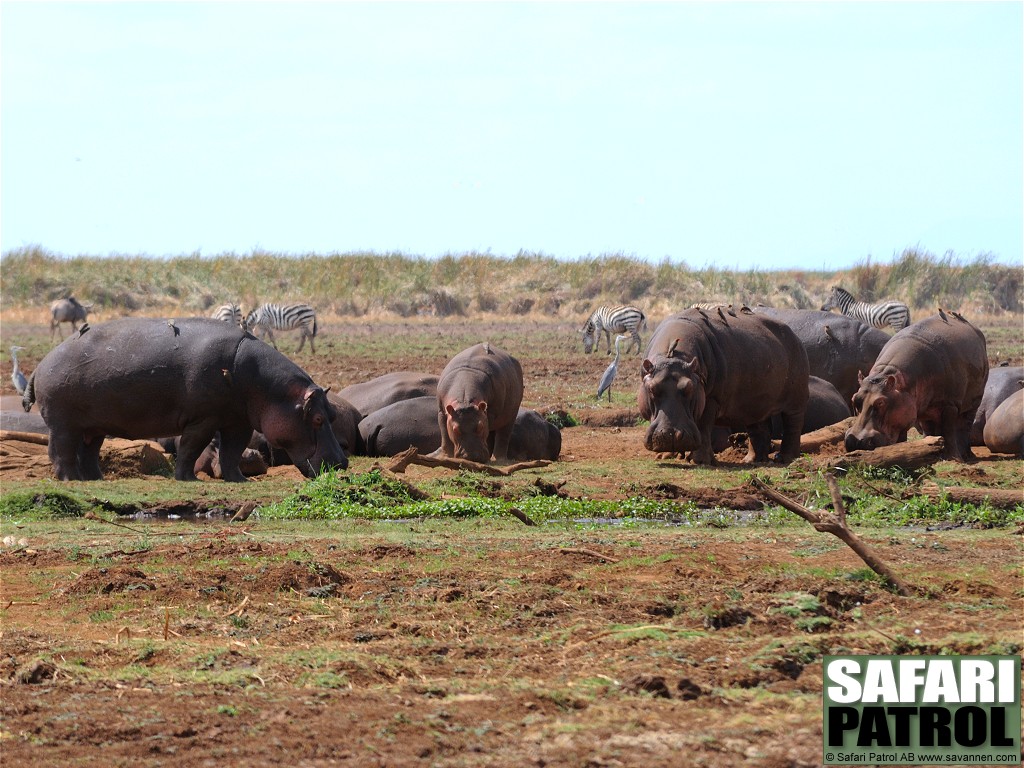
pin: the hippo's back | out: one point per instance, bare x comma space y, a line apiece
838, 348
382, 391
396, 427
110, 377
1002, 382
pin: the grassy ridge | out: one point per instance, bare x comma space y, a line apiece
361, 284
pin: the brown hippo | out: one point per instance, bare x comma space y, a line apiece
250, 464
1002, 382
706, 368
478, 393
839, 348
139, 377
344, 427
1004, 430
930, 375
400, 425
372, 395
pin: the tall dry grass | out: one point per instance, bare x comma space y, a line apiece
346, 285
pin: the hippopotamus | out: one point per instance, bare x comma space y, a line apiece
372, 395
395, 427
413, 422
17, 421
839, 348
251, 462
478, 393
139, 377
706, 368
825, 406
1004, 430
534, 437
930, 375
344, 427
1002, 382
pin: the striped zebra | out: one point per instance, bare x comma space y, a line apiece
228, 313
620, 320
891, 313
268, 318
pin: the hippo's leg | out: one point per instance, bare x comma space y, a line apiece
233, 441
447, 446
792, 426
705, 454
501, 440
950, 427
194, 439
63, 450
89, 458
759, 438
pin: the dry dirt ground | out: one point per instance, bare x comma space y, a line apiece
479, 643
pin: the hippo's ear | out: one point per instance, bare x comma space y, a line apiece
860, 377
450, 409
896, 382
647, 366
482, 406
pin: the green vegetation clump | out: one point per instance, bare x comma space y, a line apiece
47, 505
373, 495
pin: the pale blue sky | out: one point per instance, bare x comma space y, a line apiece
744, 135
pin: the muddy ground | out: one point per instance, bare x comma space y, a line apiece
474, 643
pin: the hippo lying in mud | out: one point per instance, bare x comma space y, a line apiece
478, 393
372, 395
1004, 430
1002, 382
398, 426
839, 348
705, 368
931, 375
139, 377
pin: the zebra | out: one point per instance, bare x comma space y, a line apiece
891, 313
620, 319
228, 313
283, 317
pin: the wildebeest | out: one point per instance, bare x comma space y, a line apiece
69, 310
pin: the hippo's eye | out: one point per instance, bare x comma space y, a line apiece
318, 421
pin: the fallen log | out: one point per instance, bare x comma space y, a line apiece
25, 437
833, 434
919, 453
1000, 498
411, 455
835, 523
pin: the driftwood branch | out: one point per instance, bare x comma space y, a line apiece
25, 437
833, 434
920, 453
401, 461
1001, 498
836, 525
521, 516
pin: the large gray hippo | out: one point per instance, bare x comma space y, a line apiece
839, 348
1002, 382
705, 368
139, 377
479, 392
930, 375
400, 425
372, 395
1004, 430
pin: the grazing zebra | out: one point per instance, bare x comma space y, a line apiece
619, 319
283, 317
892, 313
229, 313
